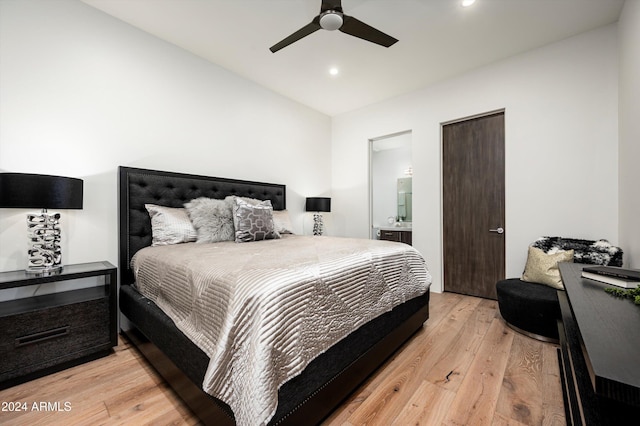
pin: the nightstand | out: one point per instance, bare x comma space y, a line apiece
50, 332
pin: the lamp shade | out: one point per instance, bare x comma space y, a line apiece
25, 190
318, 204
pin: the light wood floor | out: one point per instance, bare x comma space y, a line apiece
465, 367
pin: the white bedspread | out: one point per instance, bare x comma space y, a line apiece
263, 310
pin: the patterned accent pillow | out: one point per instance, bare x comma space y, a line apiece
253, 222
231, 199
282, 222
170, 225
213, 219
542, 268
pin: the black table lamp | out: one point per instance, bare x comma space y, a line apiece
318, 205
28, 191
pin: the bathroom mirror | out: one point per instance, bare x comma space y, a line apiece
404, 199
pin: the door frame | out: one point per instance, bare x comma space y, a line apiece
453, 121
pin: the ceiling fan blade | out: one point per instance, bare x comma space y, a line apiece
311, 27
359, 29
331, 5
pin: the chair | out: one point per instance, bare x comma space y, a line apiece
532, 308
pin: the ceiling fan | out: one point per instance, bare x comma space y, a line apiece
332, 18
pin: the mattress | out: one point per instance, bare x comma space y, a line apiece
263, 311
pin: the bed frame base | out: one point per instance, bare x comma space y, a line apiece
311, 411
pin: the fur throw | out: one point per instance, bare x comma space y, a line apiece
591, 252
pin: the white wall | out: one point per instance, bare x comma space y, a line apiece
82, 93
629, 27
561, 146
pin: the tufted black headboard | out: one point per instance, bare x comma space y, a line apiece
138, 187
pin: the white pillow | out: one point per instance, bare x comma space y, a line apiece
282, 222
170, 225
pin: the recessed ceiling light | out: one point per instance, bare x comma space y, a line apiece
333, 71
467, 3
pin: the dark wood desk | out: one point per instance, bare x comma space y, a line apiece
600, 352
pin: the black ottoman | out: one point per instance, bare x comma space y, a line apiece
529, 308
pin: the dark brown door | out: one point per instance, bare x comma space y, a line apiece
473, 205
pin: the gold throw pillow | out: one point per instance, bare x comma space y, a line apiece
542, 268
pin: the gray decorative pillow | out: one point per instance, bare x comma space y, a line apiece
231, 199
253, 222
170, 225
213, 219
282, 222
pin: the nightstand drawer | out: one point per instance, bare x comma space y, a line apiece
42, 338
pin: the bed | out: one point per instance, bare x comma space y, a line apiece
322, 383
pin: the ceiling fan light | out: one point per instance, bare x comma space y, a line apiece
331, 20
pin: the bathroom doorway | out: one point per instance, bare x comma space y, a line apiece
391, 187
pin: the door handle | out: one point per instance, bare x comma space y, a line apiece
499, 230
